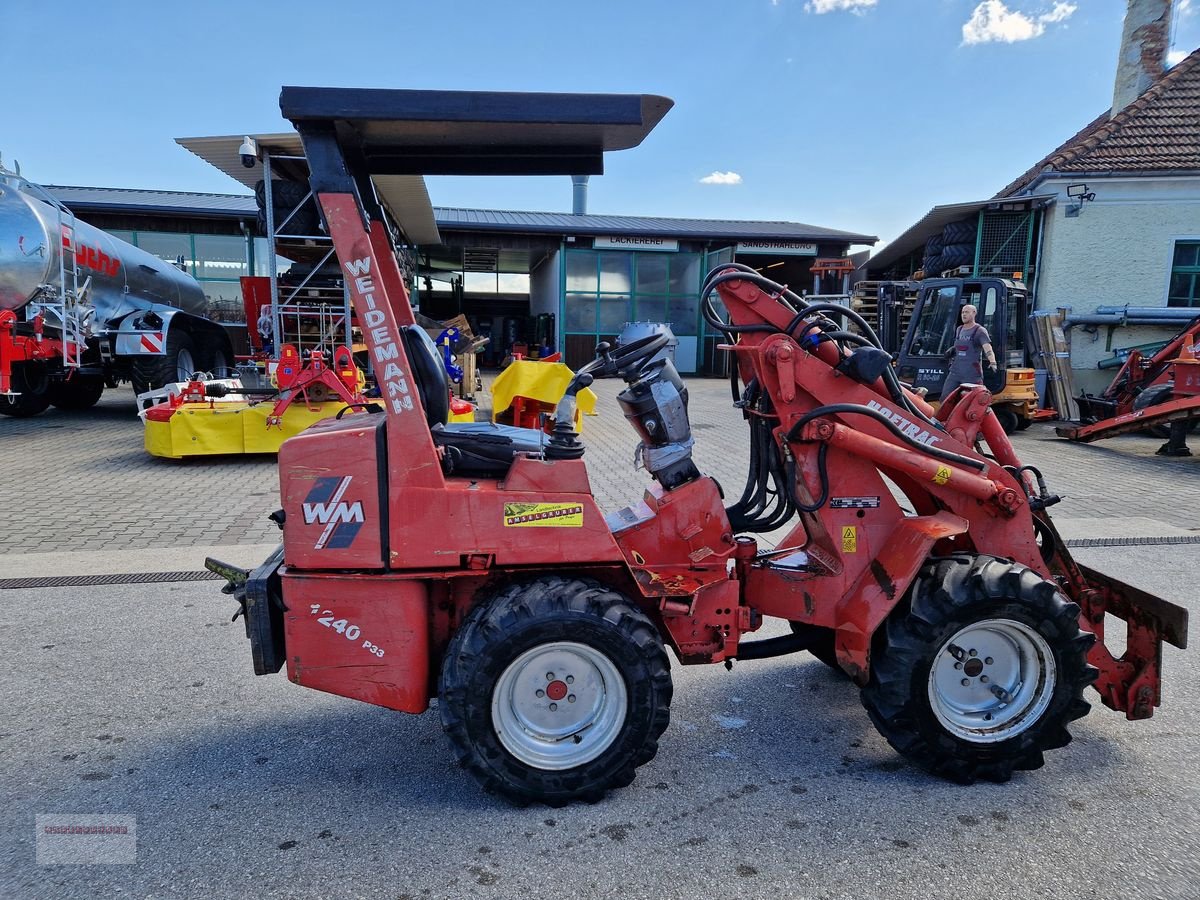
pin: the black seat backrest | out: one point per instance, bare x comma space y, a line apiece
433, 384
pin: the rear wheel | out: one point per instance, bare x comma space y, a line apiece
983, 672
78, 393
555, 690
31, 393
177, 363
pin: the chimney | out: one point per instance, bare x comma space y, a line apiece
1144, 44
579, 194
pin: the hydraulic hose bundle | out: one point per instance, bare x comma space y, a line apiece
769, 499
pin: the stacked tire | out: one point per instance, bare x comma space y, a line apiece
286, 196
954, 247
933, 256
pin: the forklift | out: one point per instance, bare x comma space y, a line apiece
922, 353
471, 563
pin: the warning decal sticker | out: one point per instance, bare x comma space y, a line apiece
942, 475
542, 515
849, 539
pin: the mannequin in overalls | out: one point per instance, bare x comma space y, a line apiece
972, 345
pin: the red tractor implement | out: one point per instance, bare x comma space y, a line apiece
1148, 393
471, 563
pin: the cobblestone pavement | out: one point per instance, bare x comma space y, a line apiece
83, 482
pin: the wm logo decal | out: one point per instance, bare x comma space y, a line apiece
324, 506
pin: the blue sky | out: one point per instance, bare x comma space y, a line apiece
854, 114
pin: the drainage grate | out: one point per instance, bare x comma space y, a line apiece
1134, 541
93, 580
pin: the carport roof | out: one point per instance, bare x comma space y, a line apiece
405, 196
935, 220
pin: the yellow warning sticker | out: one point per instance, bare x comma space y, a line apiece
942, 475
543, 515
849, 539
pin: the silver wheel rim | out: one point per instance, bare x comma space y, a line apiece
185, 366
992, 680
559, 705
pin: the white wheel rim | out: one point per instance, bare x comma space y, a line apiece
185, 366
992, 680
559, 705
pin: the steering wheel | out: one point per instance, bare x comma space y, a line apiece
625, 357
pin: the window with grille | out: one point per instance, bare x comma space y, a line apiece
1184, 289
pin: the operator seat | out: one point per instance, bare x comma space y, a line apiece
480, 449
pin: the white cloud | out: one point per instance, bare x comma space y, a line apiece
1060, 13
722, 178
1175, 57
993, 22
820, 7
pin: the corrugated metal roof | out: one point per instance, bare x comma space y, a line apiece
932, 224
459, 219
167, 202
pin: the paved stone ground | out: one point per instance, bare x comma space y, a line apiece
138, 700
83, 482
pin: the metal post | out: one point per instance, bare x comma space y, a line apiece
276, 316
978, 245
1028, 246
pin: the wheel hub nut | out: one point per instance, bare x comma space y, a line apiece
973, 667
556, 690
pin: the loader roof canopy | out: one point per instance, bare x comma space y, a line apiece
397, 136
400, 132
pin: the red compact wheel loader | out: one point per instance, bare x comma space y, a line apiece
471, 563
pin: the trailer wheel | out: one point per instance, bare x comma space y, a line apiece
31, 393
555, 690
982, 673
177, 363
78, 393
214, 356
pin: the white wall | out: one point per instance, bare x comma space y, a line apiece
544, 292
1116, 252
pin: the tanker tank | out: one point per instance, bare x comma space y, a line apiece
124, 278
121, 315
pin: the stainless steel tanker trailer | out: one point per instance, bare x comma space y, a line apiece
81, 310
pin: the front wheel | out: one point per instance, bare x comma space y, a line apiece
555, 690
982, 673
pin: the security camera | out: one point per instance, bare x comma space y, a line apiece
249, 152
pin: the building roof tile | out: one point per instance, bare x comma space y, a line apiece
1157, 132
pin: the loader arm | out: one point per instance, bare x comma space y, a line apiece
849, 432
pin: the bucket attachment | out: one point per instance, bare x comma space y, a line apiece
1131, 682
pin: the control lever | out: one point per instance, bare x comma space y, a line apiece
564, 437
